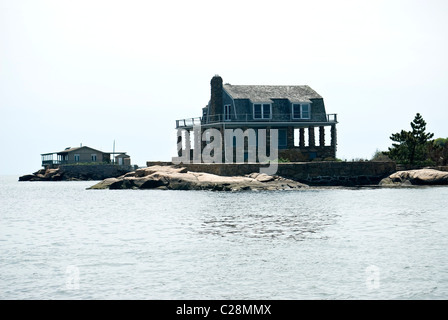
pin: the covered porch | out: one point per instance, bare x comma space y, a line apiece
54, 158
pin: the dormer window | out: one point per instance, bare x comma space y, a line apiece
262, 111
227, 112
301, 111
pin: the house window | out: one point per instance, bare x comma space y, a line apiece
301, 111
305, 111
262, 110
76, 157
296, 111
227, 112
282, 138
93, 157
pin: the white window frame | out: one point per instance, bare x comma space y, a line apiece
262, 110
94, 155
227, 112
302, 105
76, 157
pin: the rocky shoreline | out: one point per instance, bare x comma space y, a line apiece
417, 177
178, 178
172, 177
43, 175
77, 173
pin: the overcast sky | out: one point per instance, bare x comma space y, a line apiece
94, 71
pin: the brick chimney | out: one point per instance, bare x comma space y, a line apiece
216, 107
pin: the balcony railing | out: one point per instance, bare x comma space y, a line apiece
189, 122
50, 162
316, 117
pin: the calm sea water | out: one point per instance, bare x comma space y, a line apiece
61, 241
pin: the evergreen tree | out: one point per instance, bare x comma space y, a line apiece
438, 151
419, 138
410, 146
399, 150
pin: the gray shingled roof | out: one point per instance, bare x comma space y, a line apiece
71, 150
266, 93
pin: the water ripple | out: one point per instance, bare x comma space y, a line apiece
311, 244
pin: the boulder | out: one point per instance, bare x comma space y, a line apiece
178, 178
416, 177
43, 175
27, 177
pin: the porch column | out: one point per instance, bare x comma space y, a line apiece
197, 151
188, 145
179, 140
321, 136
312, 141
302, 137
203, 143
333, 136
290, 137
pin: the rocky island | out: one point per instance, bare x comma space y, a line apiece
179, 178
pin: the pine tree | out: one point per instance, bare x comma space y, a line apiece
399, 150
419, 139
410, 146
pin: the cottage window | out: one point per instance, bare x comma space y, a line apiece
301, 111
227, 112
262, 110
93, 157
76, 157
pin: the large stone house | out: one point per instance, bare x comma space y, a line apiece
298, 112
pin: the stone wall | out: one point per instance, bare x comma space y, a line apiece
93, 172
297, 154
325, 173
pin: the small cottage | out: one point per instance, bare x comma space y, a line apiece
123, 159
83, 154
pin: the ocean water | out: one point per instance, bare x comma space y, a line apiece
61, 241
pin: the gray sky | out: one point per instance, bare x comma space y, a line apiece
93, 71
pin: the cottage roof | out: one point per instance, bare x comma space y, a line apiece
122, 155
67, 150
261, 93
70, 149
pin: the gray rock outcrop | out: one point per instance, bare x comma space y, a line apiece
77, 173
43, 175
176, 178
416, 177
